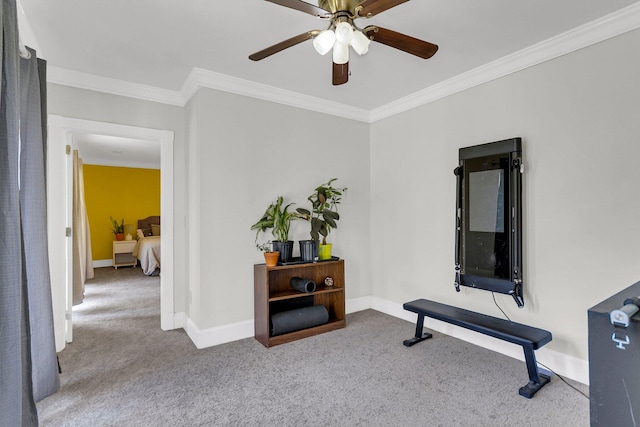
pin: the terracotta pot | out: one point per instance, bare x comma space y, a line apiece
119, 236
271, 258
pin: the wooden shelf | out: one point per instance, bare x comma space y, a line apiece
293, 336
273, 294
282, 295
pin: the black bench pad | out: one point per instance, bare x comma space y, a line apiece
516, 333
528, 337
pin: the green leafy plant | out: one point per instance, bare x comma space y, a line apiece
117, 228
264, 247
278, 219
324, 214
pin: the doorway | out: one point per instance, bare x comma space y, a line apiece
59, 214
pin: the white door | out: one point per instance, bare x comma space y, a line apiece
59, 215
59, 193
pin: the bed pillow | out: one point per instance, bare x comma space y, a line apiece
140, 234
155, 229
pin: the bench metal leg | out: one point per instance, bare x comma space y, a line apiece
419, 336
536, 379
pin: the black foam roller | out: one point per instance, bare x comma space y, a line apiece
302, 285
300, 318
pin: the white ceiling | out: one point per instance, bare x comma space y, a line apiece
158, 43
116, 151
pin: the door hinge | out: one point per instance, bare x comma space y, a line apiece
67, 232
67, 315
67, 149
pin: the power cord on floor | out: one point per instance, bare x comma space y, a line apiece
541, 364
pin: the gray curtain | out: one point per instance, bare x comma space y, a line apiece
16, 397
28, 367
33, 208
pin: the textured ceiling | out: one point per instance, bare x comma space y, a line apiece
158, 43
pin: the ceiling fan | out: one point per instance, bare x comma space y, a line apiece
343, 33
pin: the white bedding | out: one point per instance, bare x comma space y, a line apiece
147, 250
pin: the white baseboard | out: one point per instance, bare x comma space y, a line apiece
357, 304
237, 331
560, 363
99, 263
219, 334
180, 320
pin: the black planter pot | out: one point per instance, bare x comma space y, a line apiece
308, 250
285, 249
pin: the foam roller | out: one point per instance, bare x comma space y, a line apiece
300, 318
302, 285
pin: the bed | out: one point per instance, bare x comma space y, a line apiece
147, 250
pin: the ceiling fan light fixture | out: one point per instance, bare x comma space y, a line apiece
360, 43
344, 32
340, 53
324, 42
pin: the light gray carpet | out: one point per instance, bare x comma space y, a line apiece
123, 370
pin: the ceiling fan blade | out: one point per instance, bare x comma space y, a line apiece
369, 8
283, 45
340, 73
304, 7
403, 42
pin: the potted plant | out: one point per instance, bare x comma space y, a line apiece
323, 215
118, 229
278, 219
270, 256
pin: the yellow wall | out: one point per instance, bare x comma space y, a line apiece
128, 193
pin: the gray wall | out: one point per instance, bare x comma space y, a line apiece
578, 116
245, 153
89, 105
233, 155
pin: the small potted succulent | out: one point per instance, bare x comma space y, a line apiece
118, 229
270, 256
323, 216
278, 219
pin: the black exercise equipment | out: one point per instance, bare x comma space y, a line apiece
488, 243
528, 337
298, 319
302, 285
614, 353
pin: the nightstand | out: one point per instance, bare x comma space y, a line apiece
123, 253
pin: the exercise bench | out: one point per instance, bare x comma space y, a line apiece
528, 337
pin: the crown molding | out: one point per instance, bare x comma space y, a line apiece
601, 29
65, 77
200, 78
609, 26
